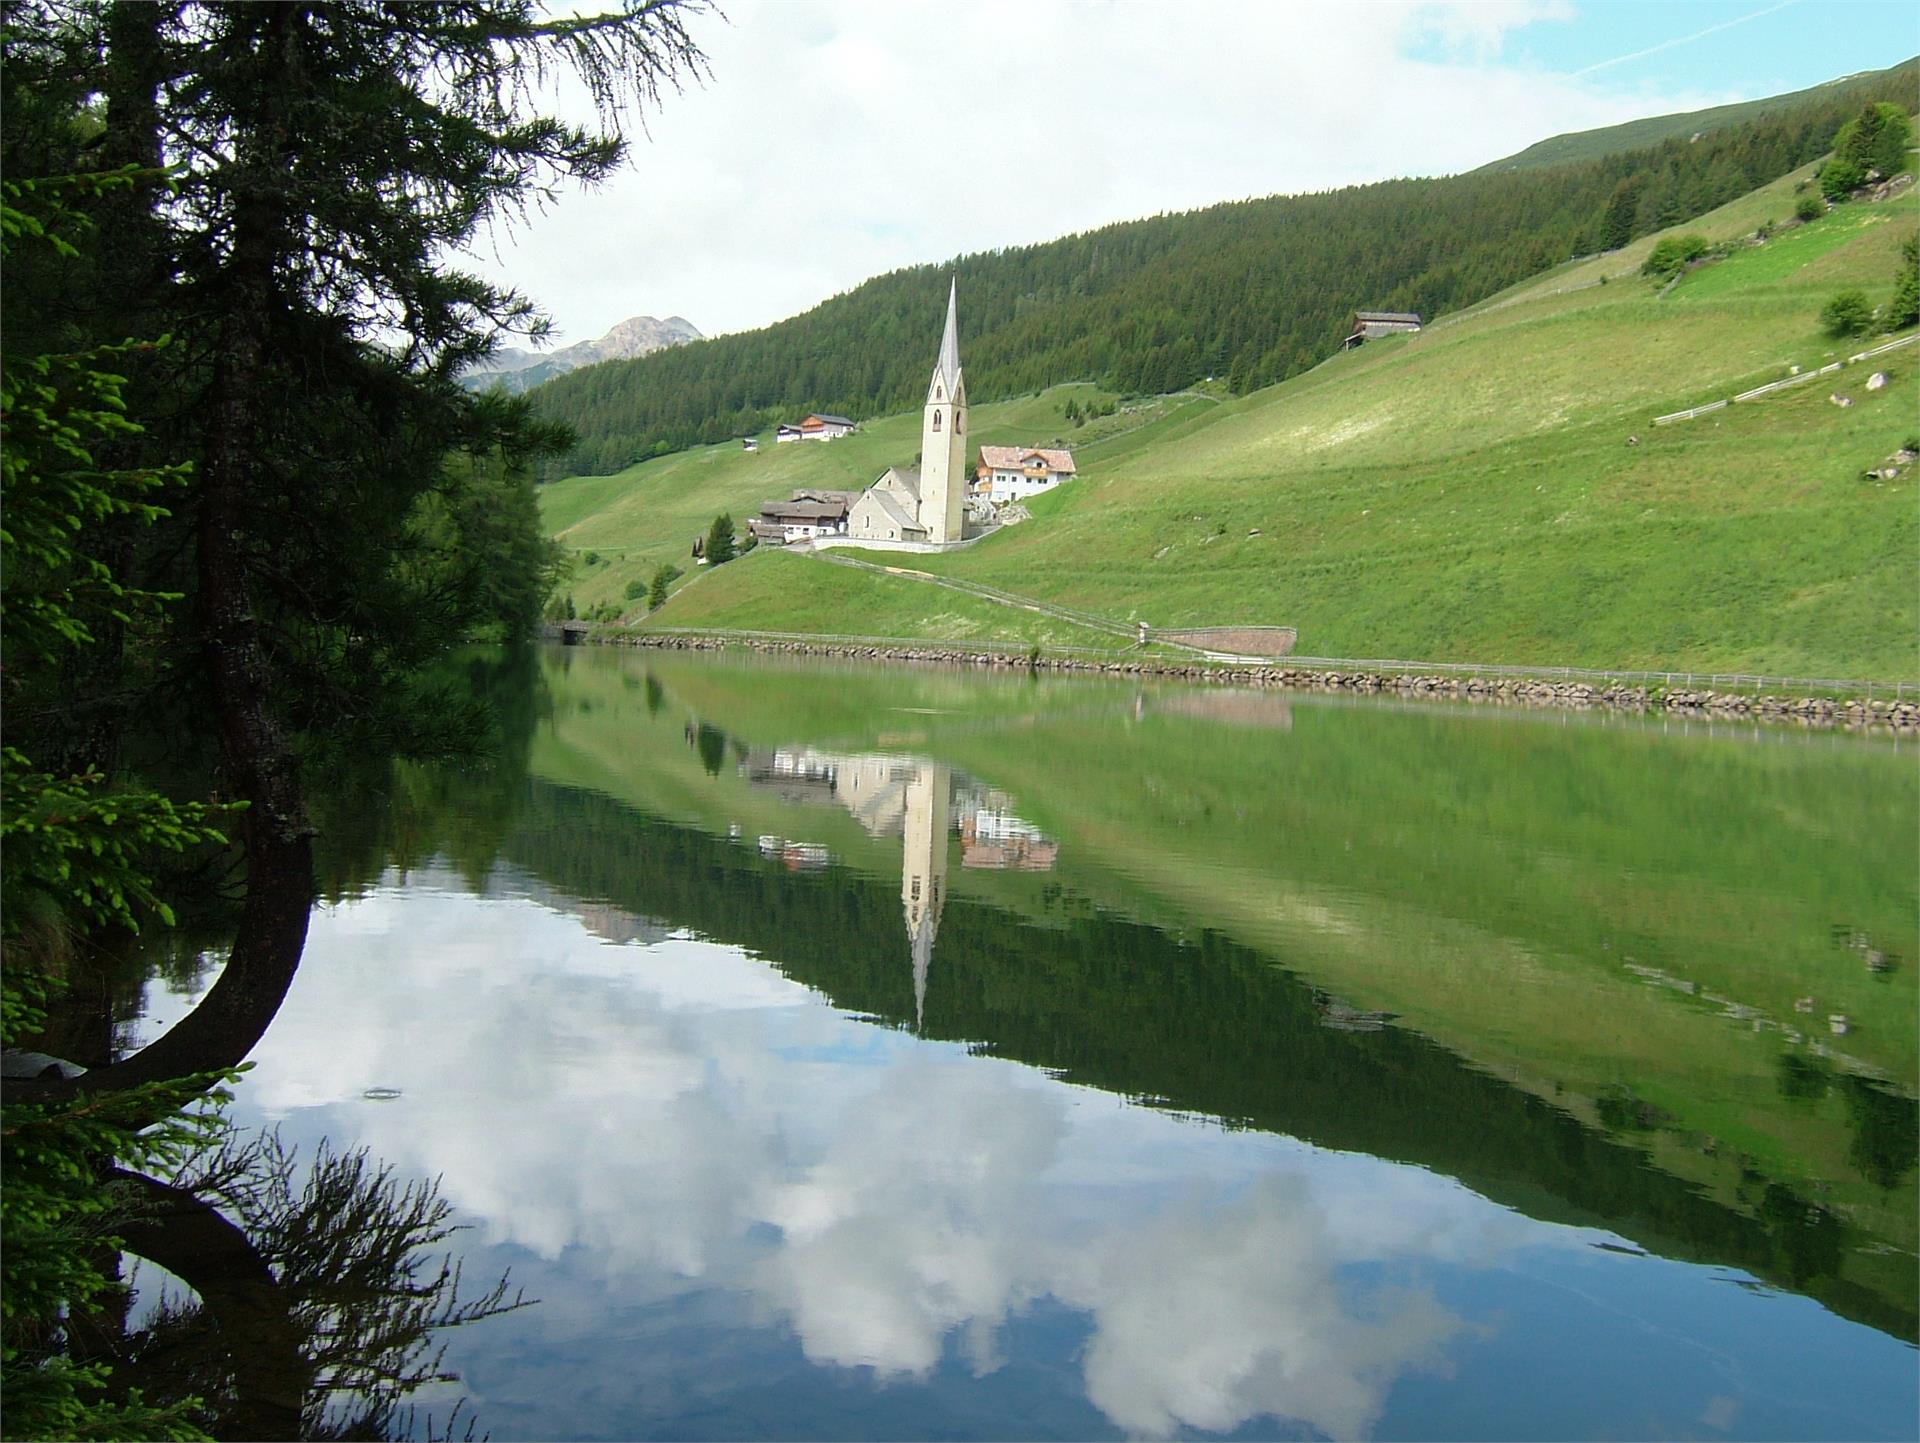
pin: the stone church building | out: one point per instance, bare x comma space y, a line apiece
928, 505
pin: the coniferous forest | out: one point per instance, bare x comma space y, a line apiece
1253, 291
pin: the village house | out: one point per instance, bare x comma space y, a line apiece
802, 517
1009, 473
1372, 325
817, 427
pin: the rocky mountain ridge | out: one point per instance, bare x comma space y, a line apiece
517, 369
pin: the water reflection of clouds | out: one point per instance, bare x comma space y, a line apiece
680, 1117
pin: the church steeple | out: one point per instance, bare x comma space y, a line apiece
923, 872
948, 367
943, 437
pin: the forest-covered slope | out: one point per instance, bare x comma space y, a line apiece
1849, 90
1252, 291
1494, 489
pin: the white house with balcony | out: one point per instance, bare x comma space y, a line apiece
1012, 473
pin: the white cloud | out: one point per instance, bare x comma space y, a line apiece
839, 139
675, 1118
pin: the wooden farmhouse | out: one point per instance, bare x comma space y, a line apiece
1008, 473
803, 517
1372, 325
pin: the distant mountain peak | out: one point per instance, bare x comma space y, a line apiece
518, 369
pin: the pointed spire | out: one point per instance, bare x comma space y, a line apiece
922, 961
949, 367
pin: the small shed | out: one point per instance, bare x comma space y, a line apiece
1372, 325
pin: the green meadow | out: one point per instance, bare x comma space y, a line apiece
1492, 489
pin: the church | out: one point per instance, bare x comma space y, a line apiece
927, 506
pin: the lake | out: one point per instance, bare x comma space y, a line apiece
840, 1052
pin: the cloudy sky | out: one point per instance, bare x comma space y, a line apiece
839, 139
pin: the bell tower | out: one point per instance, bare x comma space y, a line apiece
943, 439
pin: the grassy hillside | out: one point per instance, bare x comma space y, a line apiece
1635, 134
1494, 488
650, 514
1251, 291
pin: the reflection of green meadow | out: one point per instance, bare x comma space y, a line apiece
1647, 925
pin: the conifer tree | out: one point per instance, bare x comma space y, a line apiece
326, 159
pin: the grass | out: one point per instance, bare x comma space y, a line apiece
1491, 490
810, 596
1782, 257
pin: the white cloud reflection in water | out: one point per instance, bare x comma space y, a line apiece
680, 1117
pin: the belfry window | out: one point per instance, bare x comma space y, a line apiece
936, 420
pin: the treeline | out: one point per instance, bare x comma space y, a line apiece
1253, 291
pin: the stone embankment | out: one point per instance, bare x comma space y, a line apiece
1515, 691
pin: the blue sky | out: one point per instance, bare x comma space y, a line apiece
1756, 47
839, 139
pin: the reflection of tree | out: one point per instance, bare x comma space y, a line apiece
319, 1299
1886, 1132
712, 744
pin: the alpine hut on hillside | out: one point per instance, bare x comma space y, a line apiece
1372, 325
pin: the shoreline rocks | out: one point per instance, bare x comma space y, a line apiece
1858, 713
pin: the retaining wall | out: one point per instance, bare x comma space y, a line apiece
1857, 713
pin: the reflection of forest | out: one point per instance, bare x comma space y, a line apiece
1213, 1027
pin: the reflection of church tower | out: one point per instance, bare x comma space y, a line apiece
943, 439
923, 881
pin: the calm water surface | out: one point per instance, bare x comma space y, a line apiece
867, 1054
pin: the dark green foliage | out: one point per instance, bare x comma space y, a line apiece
657, 593
720, 540
1623, 209
76, 853
1809, 207
1904, 308
634, 589
1848, 314
372, 514
712, 744
1254, 291
1871, 145
251, 541
1673, 254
